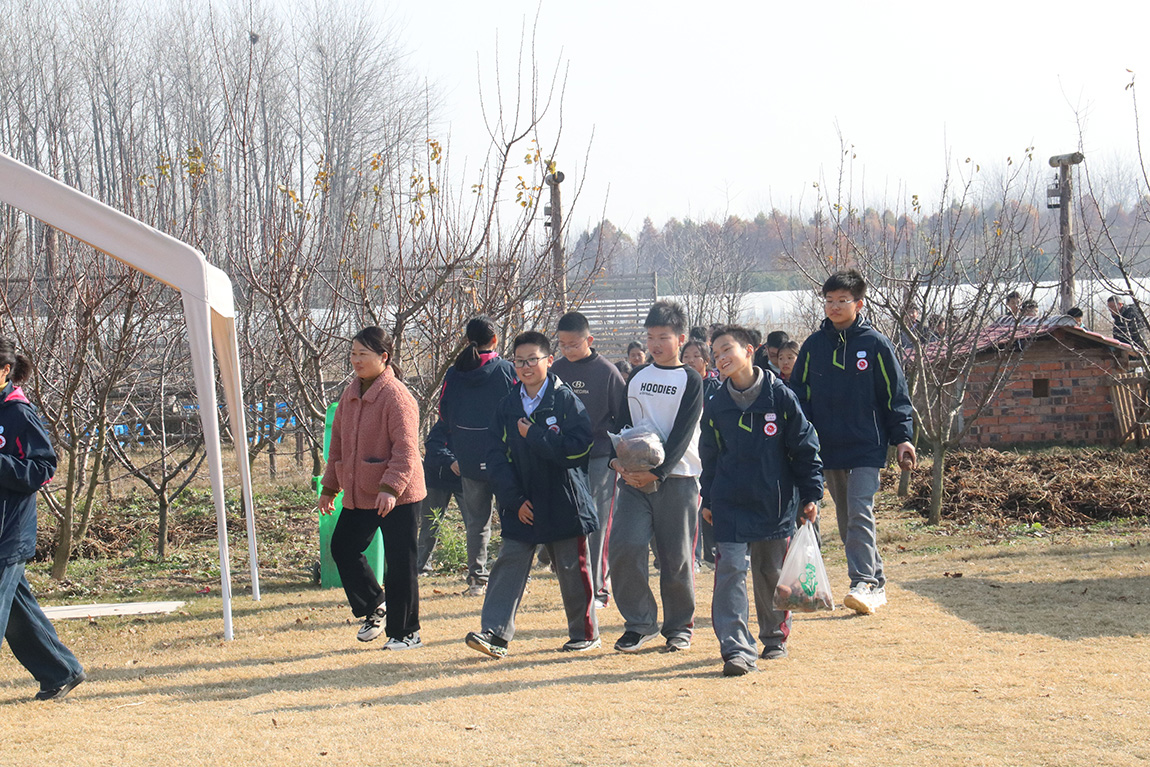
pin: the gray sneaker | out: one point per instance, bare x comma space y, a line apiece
677, 643
409, 642
581, 645
475, 590
487, 643
372, 625
774, 653
739, 666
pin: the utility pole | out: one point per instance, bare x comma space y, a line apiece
1065, 207
558, 263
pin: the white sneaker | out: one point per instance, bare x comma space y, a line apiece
877, 597
475, 590
372, 625
409, 642
859, 599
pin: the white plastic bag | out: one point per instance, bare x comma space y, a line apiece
803, 583
639, 448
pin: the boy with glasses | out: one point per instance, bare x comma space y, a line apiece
851, 387
599, 386
538, 447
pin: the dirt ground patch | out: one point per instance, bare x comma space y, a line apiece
1032, 652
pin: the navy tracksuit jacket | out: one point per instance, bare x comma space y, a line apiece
851, 387
759, 465
547, 467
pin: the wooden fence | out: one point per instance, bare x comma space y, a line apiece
1130, 395
616, 307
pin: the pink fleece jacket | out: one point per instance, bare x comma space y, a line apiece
375, 445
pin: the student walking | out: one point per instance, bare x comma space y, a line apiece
442, 484
374, 459
27, 463
473, 387
760, 467
662, 503
600, 387
539, 446
851, 387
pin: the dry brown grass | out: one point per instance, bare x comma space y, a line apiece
1036, 655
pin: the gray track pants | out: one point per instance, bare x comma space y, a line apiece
853, 492
475, 506
670, 516
432, 510
603, 493
730, 608
509, 578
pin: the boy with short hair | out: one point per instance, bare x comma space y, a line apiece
538, 446
851, 387
760, 466
668, 396
600, 387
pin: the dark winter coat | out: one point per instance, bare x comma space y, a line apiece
547, 467
27, 463
759, 465
851, 387
437, 471
466, 403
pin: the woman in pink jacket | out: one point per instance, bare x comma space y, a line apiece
374, 458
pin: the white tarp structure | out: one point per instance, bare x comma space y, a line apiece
208, 310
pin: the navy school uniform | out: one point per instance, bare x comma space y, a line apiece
851, 387
759, 466
548, 467
27, 463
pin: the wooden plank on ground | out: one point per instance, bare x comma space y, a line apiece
123, 608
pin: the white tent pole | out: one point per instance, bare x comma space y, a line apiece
228, 356
198, 318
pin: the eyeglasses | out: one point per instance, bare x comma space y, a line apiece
530, 362
576, 345
840, 304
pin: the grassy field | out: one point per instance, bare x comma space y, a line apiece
1031, 648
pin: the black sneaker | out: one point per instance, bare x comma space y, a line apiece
487, 643
581, 645
633, 641
677, 643
774, 653
372, 625
739, 666
59, 692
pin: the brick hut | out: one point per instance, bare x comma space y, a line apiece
1059, 392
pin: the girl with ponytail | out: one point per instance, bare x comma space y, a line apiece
474, 385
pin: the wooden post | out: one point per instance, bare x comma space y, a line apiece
1065, 226
558, 264
1066, 239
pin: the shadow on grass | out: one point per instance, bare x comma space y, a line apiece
1067, 609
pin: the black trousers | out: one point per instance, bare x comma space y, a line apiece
352, 535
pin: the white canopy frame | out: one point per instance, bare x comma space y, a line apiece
209, 312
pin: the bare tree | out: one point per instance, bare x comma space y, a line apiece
955, 263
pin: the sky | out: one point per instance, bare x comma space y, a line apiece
708, 109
